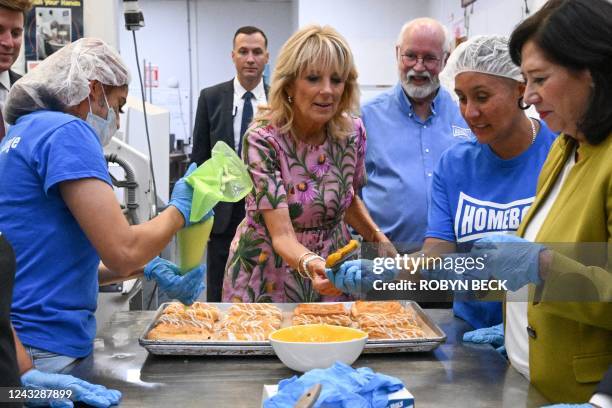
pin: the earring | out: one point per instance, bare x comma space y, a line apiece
289, 99
520, 104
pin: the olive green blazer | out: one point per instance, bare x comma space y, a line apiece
570, 343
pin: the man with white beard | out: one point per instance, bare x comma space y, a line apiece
408, 128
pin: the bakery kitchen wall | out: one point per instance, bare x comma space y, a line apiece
370, 26
190, 40
483, 16
99, 20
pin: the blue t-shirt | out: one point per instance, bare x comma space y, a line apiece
401, 156
476, 193
56, 284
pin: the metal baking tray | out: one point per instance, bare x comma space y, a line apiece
434, 336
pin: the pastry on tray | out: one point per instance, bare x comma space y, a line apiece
232, 329
393, 333
238, 319
386, 319
320, 309
334, 319
173, 326
255, 309
199, 310
360, 307
329, 313
248, 322
252, 334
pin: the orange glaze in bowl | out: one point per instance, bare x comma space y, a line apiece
317, 333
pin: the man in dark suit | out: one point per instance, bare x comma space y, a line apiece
224, 112
12, 17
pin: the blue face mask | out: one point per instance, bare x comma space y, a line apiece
105, 128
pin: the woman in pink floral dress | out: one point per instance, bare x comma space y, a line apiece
305, 154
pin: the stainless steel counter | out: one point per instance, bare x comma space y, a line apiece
453, 375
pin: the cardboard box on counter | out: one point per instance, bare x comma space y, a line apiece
399, 399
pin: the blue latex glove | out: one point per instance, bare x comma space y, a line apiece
510, 258
182, 194
185, 288
91, 394
357, 276
587, 405
342, 386
493, 335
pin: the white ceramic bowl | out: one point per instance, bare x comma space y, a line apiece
303, 348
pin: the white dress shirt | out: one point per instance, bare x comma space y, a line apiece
517, 339
259, 98
5, 85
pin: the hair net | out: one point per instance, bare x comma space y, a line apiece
62, 79
487, 54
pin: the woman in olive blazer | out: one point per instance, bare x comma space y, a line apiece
569, 81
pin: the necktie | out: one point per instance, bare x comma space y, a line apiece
247, 116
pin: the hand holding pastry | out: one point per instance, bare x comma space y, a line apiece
316, 269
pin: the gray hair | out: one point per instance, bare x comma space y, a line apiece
446, 45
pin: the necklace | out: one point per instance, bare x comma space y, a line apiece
533, 131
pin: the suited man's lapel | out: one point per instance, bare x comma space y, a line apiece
227, 114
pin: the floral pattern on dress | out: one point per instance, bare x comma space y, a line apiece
316, 184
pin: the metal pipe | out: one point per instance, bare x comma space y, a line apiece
130, 184
189, 51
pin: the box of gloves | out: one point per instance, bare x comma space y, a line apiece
401, 399
398, 399
341, 385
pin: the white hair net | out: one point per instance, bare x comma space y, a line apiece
62, 79
487, 54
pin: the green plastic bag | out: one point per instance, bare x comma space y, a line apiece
223, 177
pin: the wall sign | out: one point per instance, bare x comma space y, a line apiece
50, 25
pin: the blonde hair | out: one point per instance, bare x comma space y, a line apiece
313, 46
